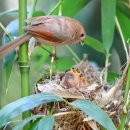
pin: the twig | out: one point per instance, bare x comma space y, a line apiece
6, 32
57, 5
117, 87
73, 53
122, 37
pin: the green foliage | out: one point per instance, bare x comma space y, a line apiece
22, 123
108, 23
71, 7
95, 113
9, 12
95, 44
45, 122
124, 7
38, 13
15, 108
112, 77
124, 22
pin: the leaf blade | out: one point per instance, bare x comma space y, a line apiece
15, 108
46, 122
94, 43
22, 123
124, 7
94, 112
108, 8
71, 7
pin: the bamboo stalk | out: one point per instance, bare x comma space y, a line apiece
23, 57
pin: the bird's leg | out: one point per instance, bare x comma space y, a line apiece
51, 53
53, 57
52, 61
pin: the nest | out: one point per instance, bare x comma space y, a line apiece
80, 82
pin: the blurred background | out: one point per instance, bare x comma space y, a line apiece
89, 16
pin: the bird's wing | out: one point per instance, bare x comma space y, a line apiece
39, 20
44, 32
51, 28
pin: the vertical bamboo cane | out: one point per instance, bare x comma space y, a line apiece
23, 57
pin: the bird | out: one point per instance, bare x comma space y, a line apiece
49, 30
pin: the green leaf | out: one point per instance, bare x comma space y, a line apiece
71, 7
95, 112
112, 76
22, 123
94, 43
124, 7
38, 13
8, 61
15, 108
9, 12
46, 123
124, 24
108, 23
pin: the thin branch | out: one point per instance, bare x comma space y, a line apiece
122, 37
6, 32
73, 53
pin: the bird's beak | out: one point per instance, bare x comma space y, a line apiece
81, 43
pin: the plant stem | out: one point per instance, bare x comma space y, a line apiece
60, 8
122, 37
127, 87
33, 6
73, 53
106, 66
6, 32
52, 11
23, 57
52, 61
124, 114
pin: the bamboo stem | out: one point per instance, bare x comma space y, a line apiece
23, 57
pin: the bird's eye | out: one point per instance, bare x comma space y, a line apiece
82, 35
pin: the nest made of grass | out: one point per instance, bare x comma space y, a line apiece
82, 81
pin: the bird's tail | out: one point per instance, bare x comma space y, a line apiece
5, 49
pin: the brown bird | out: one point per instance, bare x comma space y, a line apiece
49, 30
